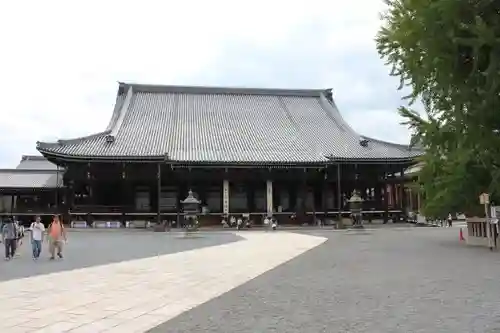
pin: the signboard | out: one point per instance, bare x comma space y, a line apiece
495, 214
225, 197
484, 199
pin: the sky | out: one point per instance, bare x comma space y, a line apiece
60, 61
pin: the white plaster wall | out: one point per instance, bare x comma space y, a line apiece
477, 241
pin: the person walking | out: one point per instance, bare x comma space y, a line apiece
450, 221
20, 236
9, 238
274, 223
37, 230
57, 234
267, 222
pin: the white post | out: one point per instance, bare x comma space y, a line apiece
488, 227
269, 197
225, 197
484, 199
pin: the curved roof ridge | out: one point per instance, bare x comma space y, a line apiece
296, 126
393, 144
116, 110
46, 145
339, 119
222, 90
114, 127
333, 112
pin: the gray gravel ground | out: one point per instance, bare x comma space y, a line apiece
91, 248
404, 281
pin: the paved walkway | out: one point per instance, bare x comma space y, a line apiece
137, 295
419, 280
89, 248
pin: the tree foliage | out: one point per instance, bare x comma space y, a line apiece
448, 53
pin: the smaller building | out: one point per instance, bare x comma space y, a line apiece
32, 188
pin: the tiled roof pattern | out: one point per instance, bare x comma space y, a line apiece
217, 125
19, 178
30, 162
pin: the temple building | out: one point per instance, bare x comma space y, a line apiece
32, 188
288, 153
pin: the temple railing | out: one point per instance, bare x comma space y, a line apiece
31, 211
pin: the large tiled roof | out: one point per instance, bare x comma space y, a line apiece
232, 125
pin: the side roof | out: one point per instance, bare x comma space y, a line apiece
228, 125
30, 179
32, 172
35, 162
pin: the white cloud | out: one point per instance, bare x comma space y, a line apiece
60, 60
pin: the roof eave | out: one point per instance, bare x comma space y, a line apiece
49, 146
156, 159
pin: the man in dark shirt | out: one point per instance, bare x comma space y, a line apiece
9, 237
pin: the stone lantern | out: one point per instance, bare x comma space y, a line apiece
191, 208
356, 208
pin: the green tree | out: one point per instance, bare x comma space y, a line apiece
447, 52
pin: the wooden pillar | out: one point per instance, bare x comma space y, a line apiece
316, 197
250, 186
71, 194
202, 192
56, 194
291, 186
125, 195
13, 202
419, 198
356, 181
91, 182
403, 194
324, 192
67, 202
302, 193
269, 197
339, 191
378, 196
189, 182
180, 193
395, 192
276, 195
410, 199
158, 184
386, 196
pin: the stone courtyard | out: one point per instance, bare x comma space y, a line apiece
384, 280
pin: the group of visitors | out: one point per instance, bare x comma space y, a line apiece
245, 222
448, 222
13, 234
271, 222
238, 223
